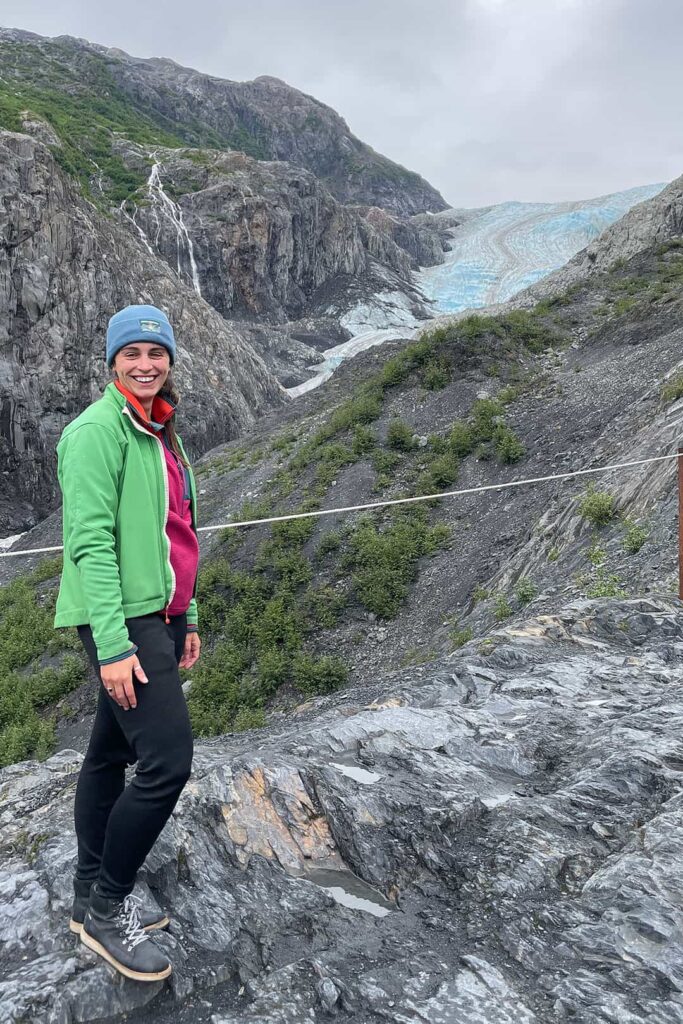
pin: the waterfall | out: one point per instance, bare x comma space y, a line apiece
161, 203
141, 233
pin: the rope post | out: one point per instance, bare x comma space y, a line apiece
680, 521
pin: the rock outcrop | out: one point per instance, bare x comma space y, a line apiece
495, 836
261, 240
64, 267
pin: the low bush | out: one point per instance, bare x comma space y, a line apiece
460, 637
673, 389
384, 562
634, 537
400, 435
598, 507
525, 590
508, 446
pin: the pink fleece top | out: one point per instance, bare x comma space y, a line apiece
184, 546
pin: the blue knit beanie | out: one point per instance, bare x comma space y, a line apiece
139, 323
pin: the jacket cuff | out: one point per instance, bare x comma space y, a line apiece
119, 657
192, 629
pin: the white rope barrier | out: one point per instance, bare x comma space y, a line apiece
400, 501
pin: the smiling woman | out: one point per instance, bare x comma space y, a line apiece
129, 583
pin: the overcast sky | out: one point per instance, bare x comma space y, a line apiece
489, 100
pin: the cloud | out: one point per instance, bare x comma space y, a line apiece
488, 99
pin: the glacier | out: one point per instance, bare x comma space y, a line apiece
496, 251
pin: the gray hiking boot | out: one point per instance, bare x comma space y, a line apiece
113, 929
150, 919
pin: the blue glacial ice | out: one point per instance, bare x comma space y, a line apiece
495, 252
508, 247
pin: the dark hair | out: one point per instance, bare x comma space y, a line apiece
169, 391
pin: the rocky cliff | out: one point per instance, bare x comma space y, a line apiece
262, 240
63, 268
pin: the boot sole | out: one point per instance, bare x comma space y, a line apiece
97, 947
75, 926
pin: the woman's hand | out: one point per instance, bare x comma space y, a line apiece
117, 680
192, 648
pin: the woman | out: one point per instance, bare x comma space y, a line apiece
129, 583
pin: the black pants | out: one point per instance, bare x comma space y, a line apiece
117, 825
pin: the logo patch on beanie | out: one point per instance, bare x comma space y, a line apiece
153, 326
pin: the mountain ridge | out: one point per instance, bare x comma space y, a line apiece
264, 117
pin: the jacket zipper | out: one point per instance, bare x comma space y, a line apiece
166, 506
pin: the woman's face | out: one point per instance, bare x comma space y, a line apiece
136, 363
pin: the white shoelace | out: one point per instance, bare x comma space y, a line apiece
130, 914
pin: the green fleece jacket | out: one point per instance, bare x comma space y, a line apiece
112, 472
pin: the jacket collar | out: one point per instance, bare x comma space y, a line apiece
162, 408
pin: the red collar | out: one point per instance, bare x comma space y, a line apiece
162, 409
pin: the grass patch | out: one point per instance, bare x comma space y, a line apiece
26, 634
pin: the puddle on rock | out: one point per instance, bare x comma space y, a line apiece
350, 891
354, 772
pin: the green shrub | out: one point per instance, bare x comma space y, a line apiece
384, 461
383, 563
436, 374
634, 538
284, 442
605, 585
22, 733
501, 608
29, 738
248, 718
330, 541
365, 407
47, 569
318, 675
595, 554
525, 590
400, 435
332, 458
322, 606
437, 444
487, 414
673, 389
363, 440
480, 594
508, 446
461, 440
553, 554
598, 507
624, 305
441, 472
460, 637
